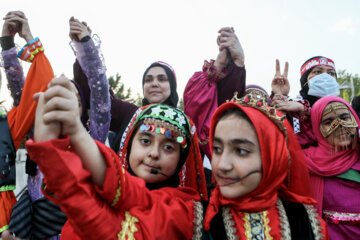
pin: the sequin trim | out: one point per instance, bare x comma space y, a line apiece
29, 51
128, 227
314, 221
210, 69
4, 228
342, 217
119, 175
229, 224
257, 226
7, 188
198, 220
267, 228
284, 221
206, 141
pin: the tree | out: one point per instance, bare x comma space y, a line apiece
119, 90
344, 80
181, 104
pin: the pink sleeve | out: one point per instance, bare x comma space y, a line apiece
201, 101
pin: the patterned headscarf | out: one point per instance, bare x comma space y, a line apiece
174, 124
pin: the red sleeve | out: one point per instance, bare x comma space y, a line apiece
73, 190
21, 117
135, 207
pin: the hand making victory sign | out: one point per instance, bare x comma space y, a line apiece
280, 83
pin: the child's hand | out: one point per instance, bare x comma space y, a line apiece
63, 105
44, 131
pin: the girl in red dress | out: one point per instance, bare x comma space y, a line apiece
90, 182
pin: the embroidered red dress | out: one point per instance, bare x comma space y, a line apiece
124, 208
281, 207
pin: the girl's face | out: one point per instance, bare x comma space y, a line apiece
341, 137
236, 159
156, 85
150, 150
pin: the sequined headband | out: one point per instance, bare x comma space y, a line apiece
164, 128
167, 121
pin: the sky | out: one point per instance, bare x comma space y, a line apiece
183, 33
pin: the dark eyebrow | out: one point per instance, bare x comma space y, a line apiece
170, 140
145, 133
242, 141
218, 140
344, 114
236, 141
327, 119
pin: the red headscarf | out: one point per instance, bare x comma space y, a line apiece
283, 176
192, 173
321, 161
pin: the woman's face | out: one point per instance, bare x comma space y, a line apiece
319, 70
341, 137
236, 159
156, 85
150, 150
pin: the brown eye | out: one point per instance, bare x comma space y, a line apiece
148, 79
162, 78
327, 122
332, 74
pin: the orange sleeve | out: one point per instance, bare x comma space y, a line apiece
21, 117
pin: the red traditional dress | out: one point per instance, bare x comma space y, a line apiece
281, 207
124, 208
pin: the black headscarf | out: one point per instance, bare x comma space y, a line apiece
173, 99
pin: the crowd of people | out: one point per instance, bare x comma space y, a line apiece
237, 163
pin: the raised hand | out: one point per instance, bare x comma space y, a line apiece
44, 131
280, 83
63, 105
223, 58
10, 27
17, 22
78, 29
228, 40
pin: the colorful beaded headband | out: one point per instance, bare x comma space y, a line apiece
164, 128
167, 121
